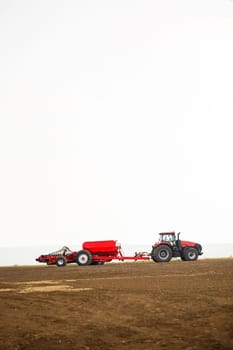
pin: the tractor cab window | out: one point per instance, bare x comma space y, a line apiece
167, 238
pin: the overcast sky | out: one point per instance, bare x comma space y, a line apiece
116, 120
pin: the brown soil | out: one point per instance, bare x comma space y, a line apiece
140, 305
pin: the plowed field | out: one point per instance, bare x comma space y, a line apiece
140, 305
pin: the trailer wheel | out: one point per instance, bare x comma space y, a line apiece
190, 254
61, 261
84, 258
162, 253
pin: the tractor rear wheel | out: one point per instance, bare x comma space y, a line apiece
162, 253
84, 258
190, 254
61, 261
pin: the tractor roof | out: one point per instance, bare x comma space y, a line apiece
167, 233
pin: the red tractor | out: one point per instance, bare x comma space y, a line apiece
170, 246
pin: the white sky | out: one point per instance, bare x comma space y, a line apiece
115, 120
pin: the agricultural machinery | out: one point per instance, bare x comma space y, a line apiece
61, 257
170, 246
100, 252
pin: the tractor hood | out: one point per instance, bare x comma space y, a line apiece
188, 243
192, 244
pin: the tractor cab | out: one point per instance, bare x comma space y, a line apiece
169, 237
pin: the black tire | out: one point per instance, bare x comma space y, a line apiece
190, 254
61, 261
162, 253
84, 258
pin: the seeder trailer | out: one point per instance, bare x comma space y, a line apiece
100, 252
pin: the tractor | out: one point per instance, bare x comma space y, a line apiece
170, 246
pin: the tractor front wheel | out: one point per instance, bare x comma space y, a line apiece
162, 253
61, 261
84, 258
190, 254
